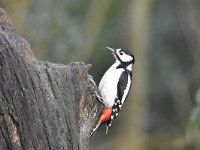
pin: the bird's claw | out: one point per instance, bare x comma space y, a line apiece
98, 97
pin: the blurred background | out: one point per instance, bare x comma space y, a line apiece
163, 109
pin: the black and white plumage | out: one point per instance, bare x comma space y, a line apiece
115, 86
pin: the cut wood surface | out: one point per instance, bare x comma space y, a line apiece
43, 105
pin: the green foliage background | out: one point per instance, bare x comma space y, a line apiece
163, 110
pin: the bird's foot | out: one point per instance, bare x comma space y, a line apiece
99, 97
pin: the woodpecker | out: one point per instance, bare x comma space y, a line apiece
114, 86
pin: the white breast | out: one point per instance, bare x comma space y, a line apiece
108, 84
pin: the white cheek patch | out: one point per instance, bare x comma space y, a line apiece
125, 58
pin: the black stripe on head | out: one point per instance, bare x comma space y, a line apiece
124, 65
125, 50
118, 58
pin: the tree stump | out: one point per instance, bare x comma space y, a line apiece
42, 105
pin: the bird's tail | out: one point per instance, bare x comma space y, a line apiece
107, 129
95, 127
103, 118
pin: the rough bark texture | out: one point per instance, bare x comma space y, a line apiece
42, 105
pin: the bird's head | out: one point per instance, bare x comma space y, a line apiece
124, 56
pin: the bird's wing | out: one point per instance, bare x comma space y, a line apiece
121, 86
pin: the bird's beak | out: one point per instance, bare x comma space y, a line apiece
111, 49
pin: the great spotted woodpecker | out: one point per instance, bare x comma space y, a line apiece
114, 86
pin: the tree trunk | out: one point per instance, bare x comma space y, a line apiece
42, 105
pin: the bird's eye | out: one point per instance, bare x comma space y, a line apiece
121, 53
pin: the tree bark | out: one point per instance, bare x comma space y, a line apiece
42, 105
